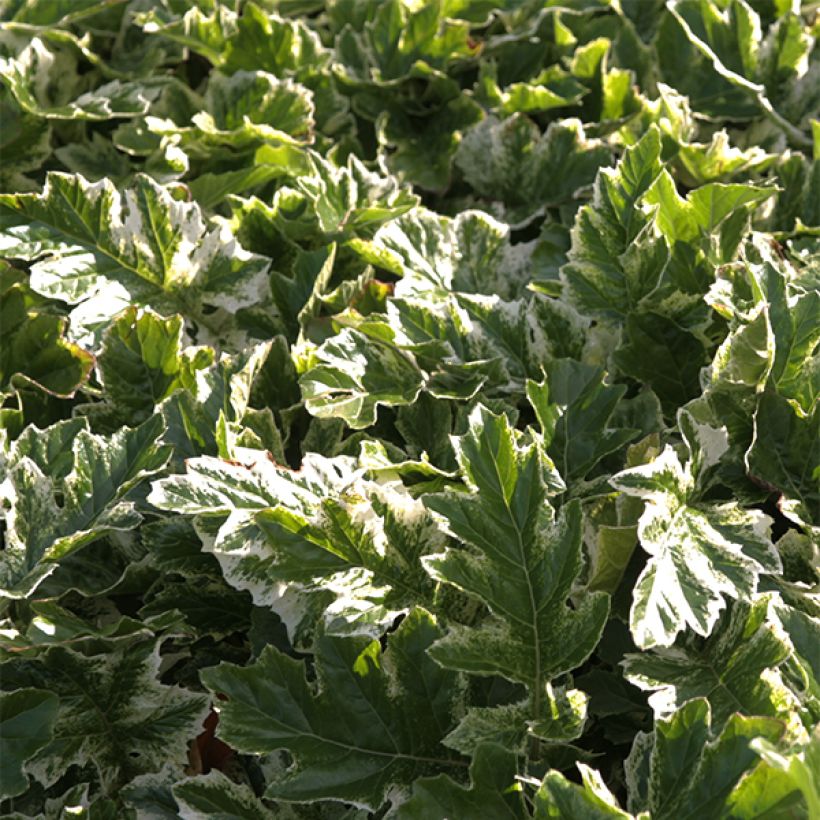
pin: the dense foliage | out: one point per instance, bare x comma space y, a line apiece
409, 409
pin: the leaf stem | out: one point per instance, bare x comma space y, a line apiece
792, 132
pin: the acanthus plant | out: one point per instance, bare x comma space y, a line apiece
409, 410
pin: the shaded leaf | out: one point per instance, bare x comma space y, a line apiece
383, 747
492, 775
113, 711
26, 723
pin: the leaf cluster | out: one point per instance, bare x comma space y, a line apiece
409, 409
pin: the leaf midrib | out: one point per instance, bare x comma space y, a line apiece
85, 242
536, 693
295, 732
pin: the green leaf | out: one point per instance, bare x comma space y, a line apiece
379, 749
26, 724
113, 711
353, 374
25, 142
730, 41
214, 795
298, 293
765, 792
318, 541
243, 111
210, 189
800, 766
350, 199
711, 214
440, 343
219, 394
505, 726
719, 160
518, 561
206, 35
746, 356
658, 352
399, 40
735, 669
95, 159
693, 774
511, 162
559, 798
699, 552
52, 624
616, 257
491, 793
210, 606
580, 407
35, 68
151, 795
686, 771
554, 87
255, 40
786, 452
803, 632
611, 535
139, 364
563, 719
796, 368
35, 350
502, 312
59, 12
149, 246
524, 334
420, 149
50, 449
470, 254
774, 333
94, 500
285, 47
468, 341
